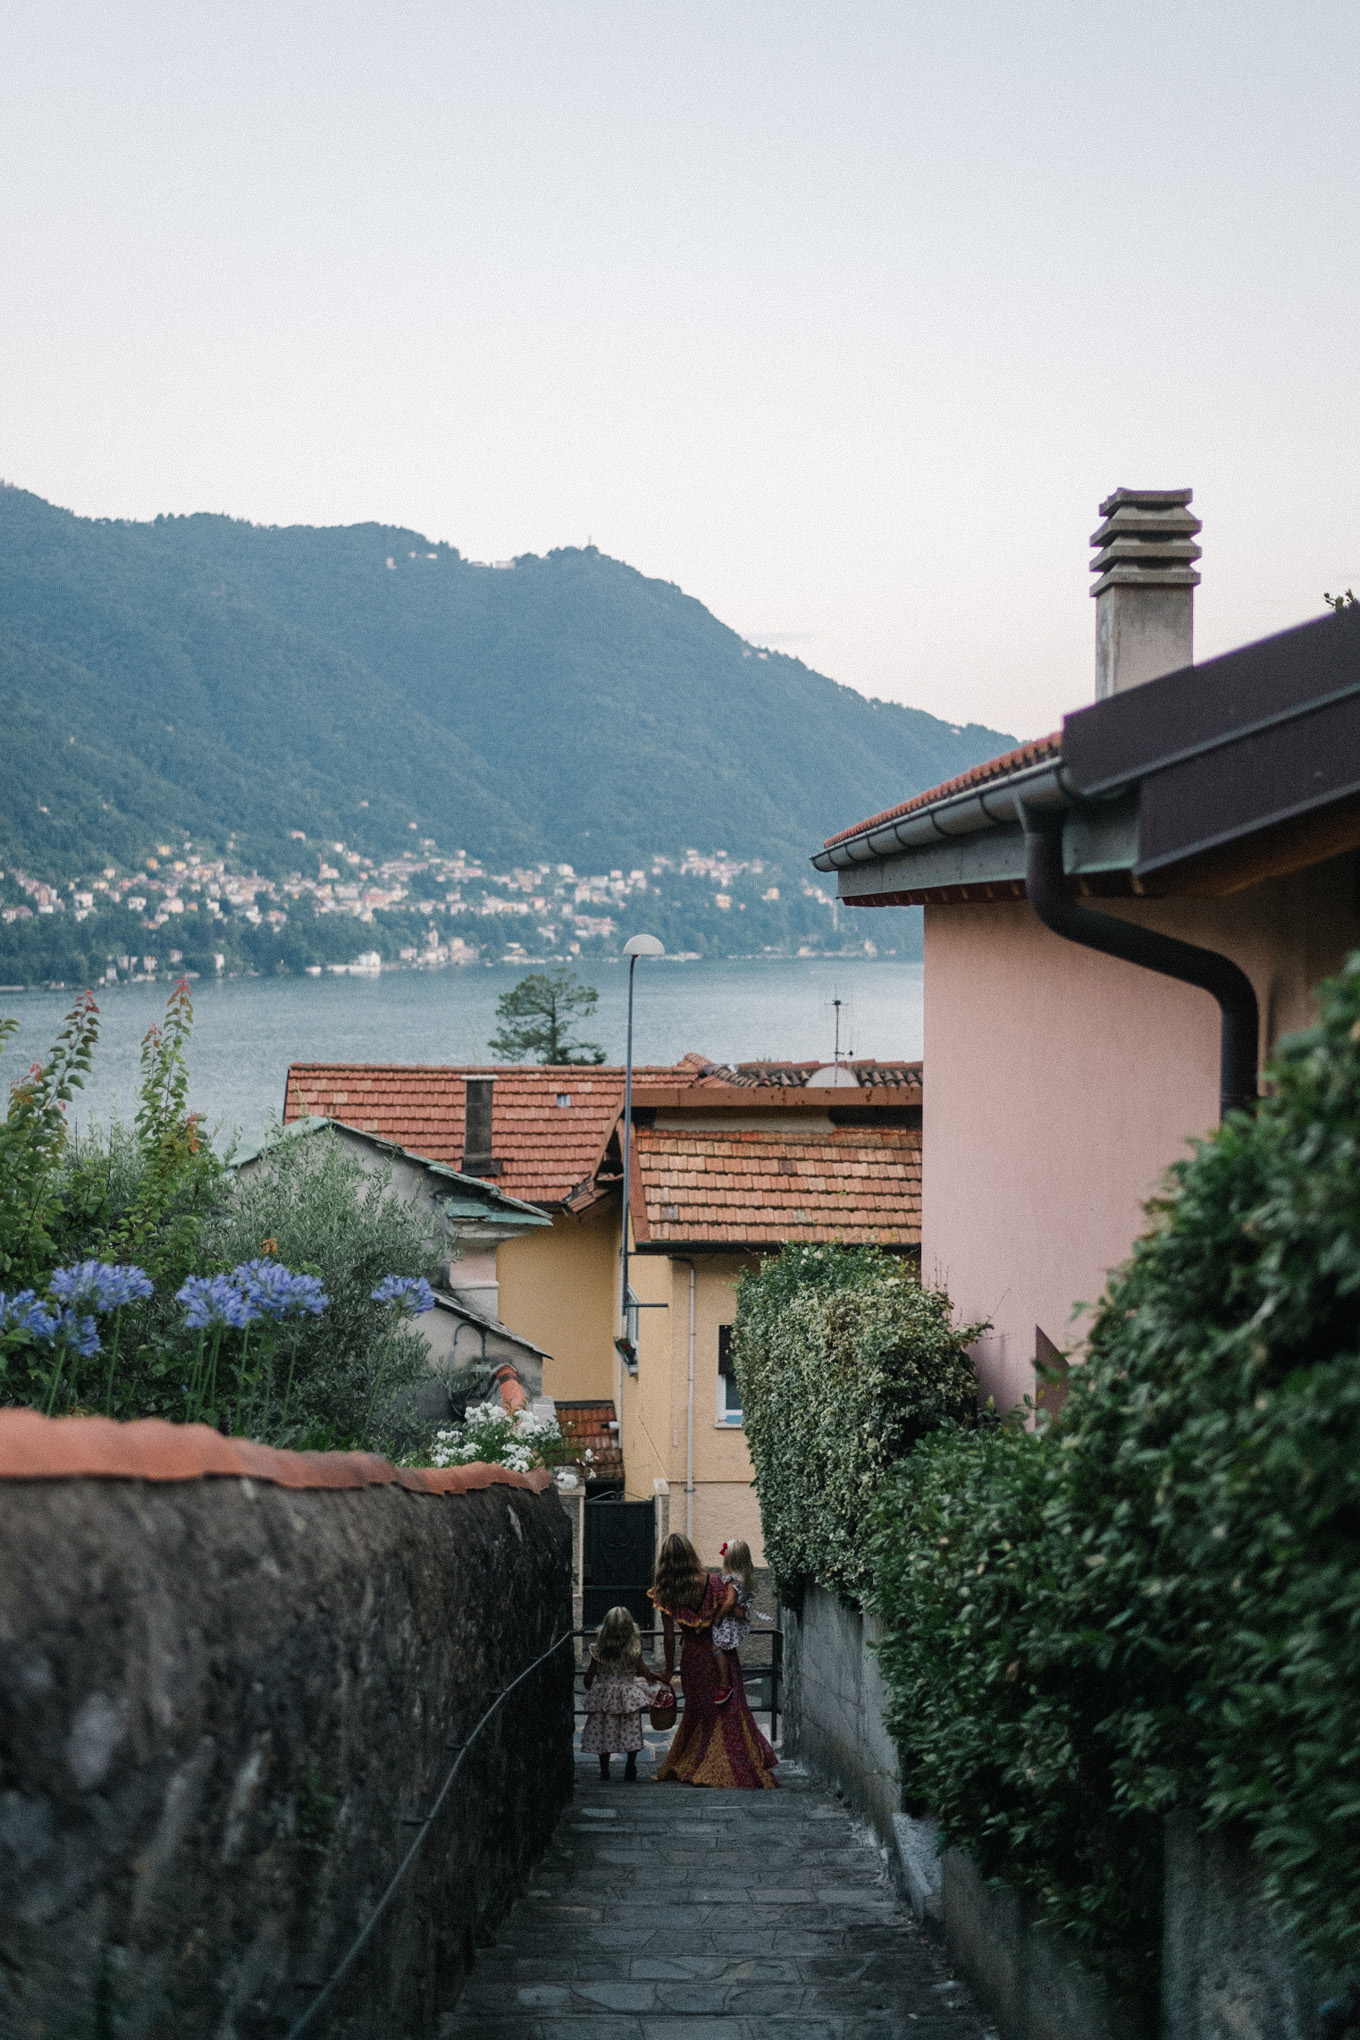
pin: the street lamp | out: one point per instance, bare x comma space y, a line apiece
633, 948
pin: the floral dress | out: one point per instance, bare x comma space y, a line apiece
728, 1630
712, 1745
614, 1704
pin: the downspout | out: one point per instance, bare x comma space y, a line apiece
689, 1417
1205, 968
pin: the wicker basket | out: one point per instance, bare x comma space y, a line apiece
662, 1709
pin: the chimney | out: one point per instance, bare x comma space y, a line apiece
477, 1155
1145, 597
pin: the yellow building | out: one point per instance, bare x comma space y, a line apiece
728, 1165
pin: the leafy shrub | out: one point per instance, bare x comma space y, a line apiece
310, 1202
844, 1360
999, 1701
1213, 1443
1155, 1602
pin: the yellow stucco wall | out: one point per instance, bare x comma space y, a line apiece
558, 1289
654, 1411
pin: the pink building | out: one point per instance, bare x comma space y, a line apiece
1121, 920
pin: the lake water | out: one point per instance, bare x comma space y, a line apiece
248, 1030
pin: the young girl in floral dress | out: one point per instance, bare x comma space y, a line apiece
619, 1684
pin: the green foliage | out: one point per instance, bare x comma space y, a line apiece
311, 1203
32, 1144
538, 1015
200, 676
1214, 1448
1340, 602
844, 1361
999, 1697
1155, 1602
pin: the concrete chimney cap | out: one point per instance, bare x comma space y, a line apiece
1147, 499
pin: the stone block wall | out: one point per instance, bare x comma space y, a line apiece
834, 1702
229, 1683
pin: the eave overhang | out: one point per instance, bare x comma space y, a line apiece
1204, 780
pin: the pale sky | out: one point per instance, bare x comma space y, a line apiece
842, 316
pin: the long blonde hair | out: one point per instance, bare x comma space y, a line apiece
617, 1641
736, 1559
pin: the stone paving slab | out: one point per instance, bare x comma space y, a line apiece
662, 1913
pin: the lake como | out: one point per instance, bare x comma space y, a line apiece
248, 1030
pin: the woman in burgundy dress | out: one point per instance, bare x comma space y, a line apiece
712, 1745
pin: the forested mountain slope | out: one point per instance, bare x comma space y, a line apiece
204, 677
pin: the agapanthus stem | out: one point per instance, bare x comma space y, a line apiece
288, 1391
113, 1362
241, 1380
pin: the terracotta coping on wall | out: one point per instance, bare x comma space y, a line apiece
34, 1447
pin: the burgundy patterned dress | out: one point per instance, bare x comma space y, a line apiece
712, 1745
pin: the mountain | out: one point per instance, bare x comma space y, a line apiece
205, 678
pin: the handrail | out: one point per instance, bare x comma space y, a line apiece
338, 1975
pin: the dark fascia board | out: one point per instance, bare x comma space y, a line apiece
1198, 709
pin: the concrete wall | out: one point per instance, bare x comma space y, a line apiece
219, 1699
1229, 1971
834, 1701
1062, 1083
560, 1289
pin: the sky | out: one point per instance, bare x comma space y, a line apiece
842, 316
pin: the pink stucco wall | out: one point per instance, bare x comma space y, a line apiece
1059, 1084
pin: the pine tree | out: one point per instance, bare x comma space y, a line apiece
537, 1017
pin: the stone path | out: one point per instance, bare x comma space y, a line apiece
665, 1913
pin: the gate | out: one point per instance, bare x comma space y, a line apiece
617, 1559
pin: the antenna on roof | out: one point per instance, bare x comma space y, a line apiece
836, 1051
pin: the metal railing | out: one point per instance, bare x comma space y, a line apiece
762, 1677
423, 1823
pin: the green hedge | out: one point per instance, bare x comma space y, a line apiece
843, 1361
1155, 1602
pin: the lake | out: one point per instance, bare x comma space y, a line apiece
248, 1030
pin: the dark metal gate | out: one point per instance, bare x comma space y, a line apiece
616, 1564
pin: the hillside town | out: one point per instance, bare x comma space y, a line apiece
184, 910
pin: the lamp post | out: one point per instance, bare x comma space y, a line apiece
633, 948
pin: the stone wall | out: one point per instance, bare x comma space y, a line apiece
222, 1700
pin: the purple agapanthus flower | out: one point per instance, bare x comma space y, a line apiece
216, 1300
100, 1285
411, 1294
81, 1332
23, 1312
277, 1293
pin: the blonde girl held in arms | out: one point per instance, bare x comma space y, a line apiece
734, 1616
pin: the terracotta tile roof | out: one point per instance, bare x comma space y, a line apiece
35, 1447
856, 1184
585, 1426
1032, 753
790, 1076
547, 1147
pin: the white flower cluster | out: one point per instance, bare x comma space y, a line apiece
496, 1436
